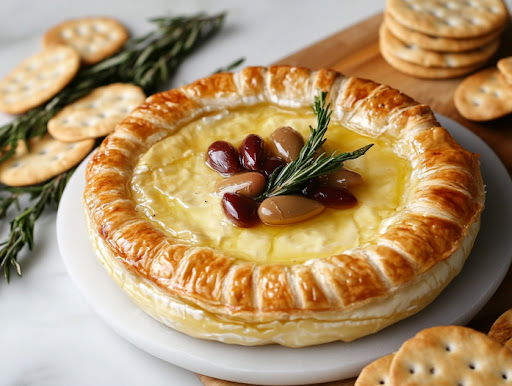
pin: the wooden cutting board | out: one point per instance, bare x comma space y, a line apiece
355, 52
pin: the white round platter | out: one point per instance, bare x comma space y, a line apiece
273, 364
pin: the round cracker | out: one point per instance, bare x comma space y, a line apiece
417, 55
376, 373
484, 96
38, 78
436, 43
94, 38
425, 72
451, 355
501, 330
46, 158
505, 67
97, 113
450, 18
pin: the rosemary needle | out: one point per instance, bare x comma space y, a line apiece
22, 226
149, 62
292, 177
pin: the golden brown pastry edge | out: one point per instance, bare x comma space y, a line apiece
446, 198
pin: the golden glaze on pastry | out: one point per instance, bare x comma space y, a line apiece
357, 292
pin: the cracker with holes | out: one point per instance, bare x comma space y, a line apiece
451, 355
46, 158
94, 38
414, 54
505, 67
420, 71
37, 79
376, 373
97, 113
436, 43
484, 96
450, 18
501, 330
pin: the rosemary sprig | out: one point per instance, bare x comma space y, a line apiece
6, 201
230, 66
148, 61
292, 177
13, 195
22, 226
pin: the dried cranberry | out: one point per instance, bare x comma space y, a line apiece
223, 157
252, 152
270, 164
240, 210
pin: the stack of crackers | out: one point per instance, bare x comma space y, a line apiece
436, 39
37, 79
487, 94
447, 355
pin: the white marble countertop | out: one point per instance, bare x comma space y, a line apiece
48, 334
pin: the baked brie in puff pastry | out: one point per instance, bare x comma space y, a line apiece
160, 231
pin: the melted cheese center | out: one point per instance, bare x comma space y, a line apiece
174, 188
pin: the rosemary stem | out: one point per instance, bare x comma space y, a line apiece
148, 61
292, 177
139, 63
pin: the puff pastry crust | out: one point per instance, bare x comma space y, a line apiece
435, 229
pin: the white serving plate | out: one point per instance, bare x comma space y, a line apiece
273, 364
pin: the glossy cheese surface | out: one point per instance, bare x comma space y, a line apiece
173, 187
